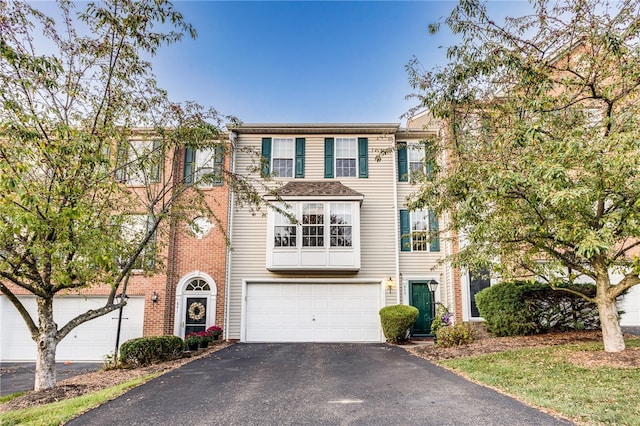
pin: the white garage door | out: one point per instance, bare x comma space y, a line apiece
284, 312
630, 304
90, 341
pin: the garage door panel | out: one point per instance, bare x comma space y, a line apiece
321, 312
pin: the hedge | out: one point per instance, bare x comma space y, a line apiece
521, 308
150, 350
396, 320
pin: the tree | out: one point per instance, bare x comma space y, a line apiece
542, 144
68, 117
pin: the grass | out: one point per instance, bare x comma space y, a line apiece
543, 377
7, 398
59, 412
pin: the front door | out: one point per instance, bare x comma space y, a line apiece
195, 315
421, 298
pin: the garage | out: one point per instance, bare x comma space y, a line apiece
312, 312
90, 341
630, 304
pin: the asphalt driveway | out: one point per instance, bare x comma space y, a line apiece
313, 384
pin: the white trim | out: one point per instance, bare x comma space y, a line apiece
247, 281
178, 325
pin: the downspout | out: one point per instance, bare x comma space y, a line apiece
227, 290
396, 213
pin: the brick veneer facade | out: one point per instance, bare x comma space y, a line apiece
182, 253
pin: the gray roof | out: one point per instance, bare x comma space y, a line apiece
327, 188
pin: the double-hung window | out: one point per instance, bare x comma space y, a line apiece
282, 157
419, 231
313, 225
284, 231
204, 166
346, 157
341, 225
135, 228
416, 157
413, 162
138, 162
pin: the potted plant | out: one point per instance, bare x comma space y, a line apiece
215, 332
192, 341
204, 339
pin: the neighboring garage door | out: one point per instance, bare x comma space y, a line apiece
630, 304
290, 312
90, 341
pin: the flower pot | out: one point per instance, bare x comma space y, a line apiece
216, 337
204, 344
193, 346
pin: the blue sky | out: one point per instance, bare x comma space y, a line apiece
303, 61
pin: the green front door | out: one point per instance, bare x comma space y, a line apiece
421, 299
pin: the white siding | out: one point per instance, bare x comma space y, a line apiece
377, 232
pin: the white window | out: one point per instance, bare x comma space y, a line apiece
284, 232
313, 225
135, 228
320, 235
341, 225
204, 166
416, 158
282, 157
138, 162
346, 157
420, 230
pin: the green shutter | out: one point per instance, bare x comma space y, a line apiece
403, 169
363, 157
328, 157
266, 156
218, 166
405, 230
156, 161
189, 162
300, 157
149, 252
121, 161
433, 232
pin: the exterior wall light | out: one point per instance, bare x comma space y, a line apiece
389, 284
155, 297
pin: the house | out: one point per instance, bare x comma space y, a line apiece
186, 295
338, 243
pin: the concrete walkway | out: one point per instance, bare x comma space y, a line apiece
313, 384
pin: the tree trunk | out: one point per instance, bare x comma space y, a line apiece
46, 362
610, 323
47, 344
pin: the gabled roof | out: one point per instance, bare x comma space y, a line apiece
317, 189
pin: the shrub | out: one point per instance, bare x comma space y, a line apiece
150, 350
504, 309
521, 308
455, 335
396, 320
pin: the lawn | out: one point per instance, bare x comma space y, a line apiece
546, 377
57, 413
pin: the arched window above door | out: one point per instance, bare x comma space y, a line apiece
197, 285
